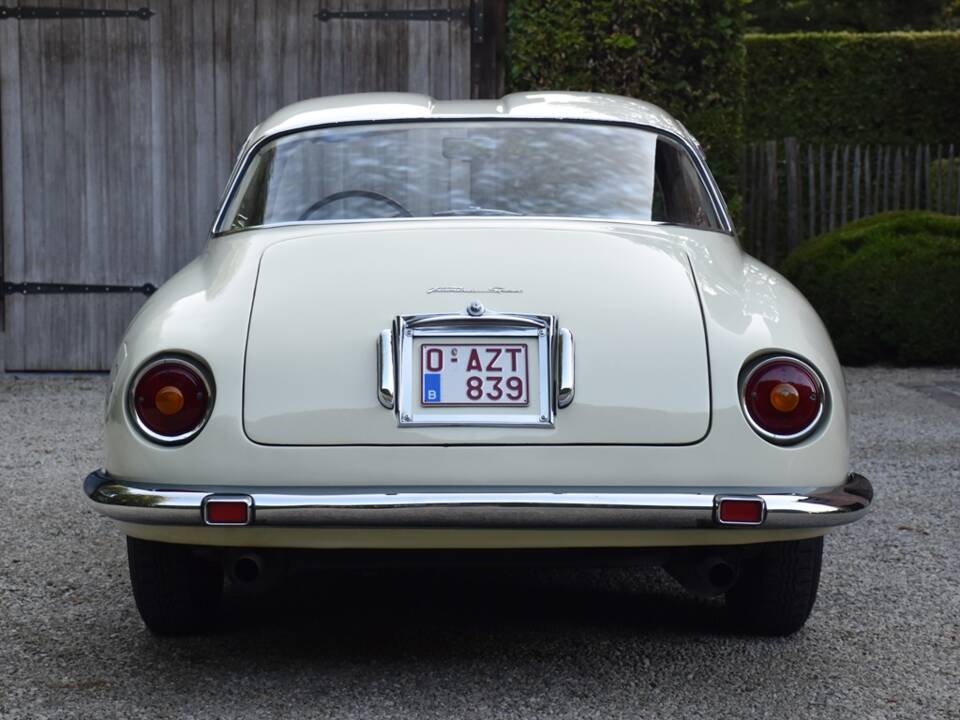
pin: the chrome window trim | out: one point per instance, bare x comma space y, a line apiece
793, 439
692, 149
196, 366
408, 328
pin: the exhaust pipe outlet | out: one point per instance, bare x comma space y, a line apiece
705, 576
246, 569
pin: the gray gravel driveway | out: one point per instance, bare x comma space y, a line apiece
883, 641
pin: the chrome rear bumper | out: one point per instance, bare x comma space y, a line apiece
574, 508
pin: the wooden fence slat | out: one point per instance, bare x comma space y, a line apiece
885, 186
811, 195
762, 201
867, 205
907, 187
917, 182
949, 180
958, 188
878, 185
833, 189
773, 185
791, 155
824, 225
856, 183
826, 187
939, 168
843, 185
897, 178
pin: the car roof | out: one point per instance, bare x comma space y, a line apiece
553, 105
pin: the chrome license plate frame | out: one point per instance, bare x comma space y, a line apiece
537, 332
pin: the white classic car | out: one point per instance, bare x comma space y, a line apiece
515, 328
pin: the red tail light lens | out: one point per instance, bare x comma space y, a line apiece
170, 400
783, 399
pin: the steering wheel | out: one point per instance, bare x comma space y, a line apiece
344, 194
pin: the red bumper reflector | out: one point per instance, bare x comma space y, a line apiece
226, 512
740, 511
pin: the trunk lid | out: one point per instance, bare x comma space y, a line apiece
626, 293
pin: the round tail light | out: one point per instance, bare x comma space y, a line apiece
783, 399
171, 399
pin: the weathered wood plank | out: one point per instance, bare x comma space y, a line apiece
243, 71
78, 242
792, 158
266, 47
948, 203
917, 180
832, 222
867, 183
11, 175
21, 254
856, 183
441, 86
460, 82
772, 192
885, 185
907, 182
332, 52
222, 84
288, 28
149, 252
160, 137
123, 246
844, 166
762, 206
182, 167
811, 192
897, 178
418, 51
207, 179
824, 221
938, 170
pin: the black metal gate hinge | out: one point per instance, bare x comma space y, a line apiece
33, 288
61, 13
436, 14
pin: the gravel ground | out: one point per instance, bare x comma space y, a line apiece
884, 639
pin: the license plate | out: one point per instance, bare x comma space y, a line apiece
474, 375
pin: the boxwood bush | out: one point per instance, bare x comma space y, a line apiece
684, 55
887, 287
897, 87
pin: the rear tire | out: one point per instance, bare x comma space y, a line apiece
777, 589
177, 592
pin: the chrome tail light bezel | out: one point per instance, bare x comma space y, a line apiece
191, 363
754, 366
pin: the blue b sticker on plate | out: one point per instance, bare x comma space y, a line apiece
431, 388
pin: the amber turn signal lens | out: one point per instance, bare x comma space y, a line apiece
784, 397
169, 400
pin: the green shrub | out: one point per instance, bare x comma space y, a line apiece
887, 287
848, 87
685, 55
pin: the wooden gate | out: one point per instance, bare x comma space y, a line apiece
119, 122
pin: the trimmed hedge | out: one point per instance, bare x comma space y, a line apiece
685, 55
848, 87
887, 287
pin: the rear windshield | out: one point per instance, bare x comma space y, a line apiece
450, 168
